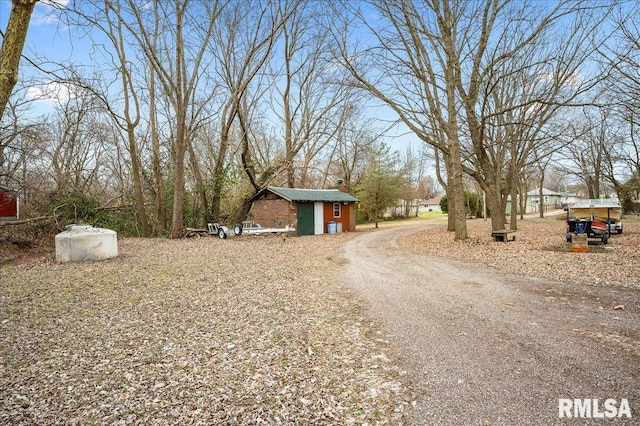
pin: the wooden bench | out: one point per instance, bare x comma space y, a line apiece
504, 235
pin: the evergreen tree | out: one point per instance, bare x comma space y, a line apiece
382, 183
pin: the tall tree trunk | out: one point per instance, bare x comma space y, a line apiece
511, 187
513, 211
522, 199
230, 113
451, 226
288, 120
200, 188
241, 212
137, 180
177, 219
11, 49
160, 206
455, 190
452, 78
218, 179
541, 194
496, 210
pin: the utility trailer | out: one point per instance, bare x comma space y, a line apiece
597, 218
247, 228
250, 228
217, 229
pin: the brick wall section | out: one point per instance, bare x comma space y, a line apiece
352, 216
267, 211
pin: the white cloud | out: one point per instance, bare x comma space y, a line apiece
48, 12
61, 3
575, 79
51, 93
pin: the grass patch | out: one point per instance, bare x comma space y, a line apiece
431, 214
433, 217
631, 218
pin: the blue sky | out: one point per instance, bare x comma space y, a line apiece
44, 30
49, 38
46, 37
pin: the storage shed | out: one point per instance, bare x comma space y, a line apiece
310, 211
9, 207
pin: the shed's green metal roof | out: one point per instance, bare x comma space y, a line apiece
309, 195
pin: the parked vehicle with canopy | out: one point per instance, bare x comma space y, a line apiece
598, 218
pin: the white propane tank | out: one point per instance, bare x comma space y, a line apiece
82, 243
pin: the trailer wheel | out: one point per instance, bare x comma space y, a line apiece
237, 229
222, 234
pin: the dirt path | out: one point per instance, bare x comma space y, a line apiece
482, 347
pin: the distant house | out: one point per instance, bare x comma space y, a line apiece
308, 210
430, 205
551, 200
9, 205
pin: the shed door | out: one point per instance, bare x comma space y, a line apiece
305, 219
318, 218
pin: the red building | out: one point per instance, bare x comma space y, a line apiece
310, 211
9, 206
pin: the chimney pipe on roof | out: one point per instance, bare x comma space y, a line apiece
340, 186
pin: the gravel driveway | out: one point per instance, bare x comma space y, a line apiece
485, 347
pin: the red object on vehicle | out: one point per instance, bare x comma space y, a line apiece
598, 227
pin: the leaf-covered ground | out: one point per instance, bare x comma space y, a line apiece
540, 250
250, 330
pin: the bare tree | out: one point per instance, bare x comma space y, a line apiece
309, 100
621, 61
21, 148
628, 152
428, 188
242, 45
158, 186
10, 133
417, 78
178, 59
125, 110
305, 116
416, 185
449, 68
77, 134
345, 156
519, 84
585, 157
